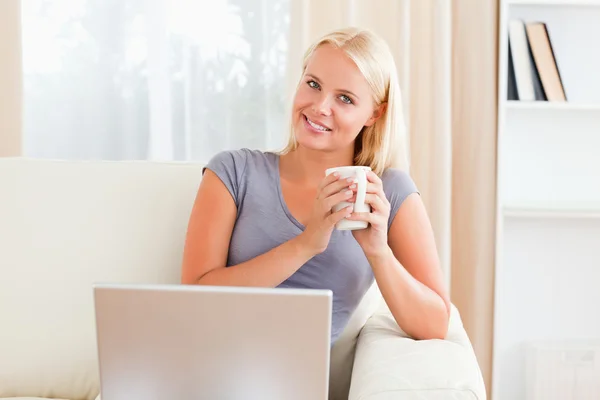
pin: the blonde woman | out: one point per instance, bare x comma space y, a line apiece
264, 218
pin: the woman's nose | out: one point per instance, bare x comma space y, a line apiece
323, 105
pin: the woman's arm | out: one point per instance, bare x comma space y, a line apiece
409, 275
207, 245
209, 233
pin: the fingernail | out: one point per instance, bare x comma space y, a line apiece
336, 174
348, 193
352, 186
349, 180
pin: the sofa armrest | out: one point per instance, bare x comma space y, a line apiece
390, 366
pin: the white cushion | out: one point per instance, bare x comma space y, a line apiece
389, 365
65, 225
342, 353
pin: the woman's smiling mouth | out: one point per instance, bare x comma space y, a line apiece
315, 126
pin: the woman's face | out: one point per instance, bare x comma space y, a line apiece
332, 103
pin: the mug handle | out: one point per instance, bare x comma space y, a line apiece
361, 192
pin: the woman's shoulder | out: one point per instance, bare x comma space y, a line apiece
397, 178
244, 164
240, 159
235, 168
398, 184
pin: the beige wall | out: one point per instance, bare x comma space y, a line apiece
10, 79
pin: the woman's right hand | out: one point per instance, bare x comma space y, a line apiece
322, 221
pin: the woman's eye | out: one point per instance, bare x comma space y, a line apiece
346, 99
313, 84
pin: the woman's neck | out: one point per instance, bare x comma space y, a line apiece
307, 167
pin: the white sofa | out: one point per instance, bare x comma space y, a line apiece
65, 225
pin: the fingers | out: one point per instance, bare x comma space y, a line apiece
336, 217
376, 202
336, 186
363, 216
375, 220
374, 188
373, 178
328, 180
332, 191
346, 183
374, 183
336, 198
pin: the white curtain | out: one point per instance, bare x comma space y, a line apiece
182, 79
153, 79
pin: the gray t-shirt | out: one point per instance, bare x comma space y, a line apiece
264, 222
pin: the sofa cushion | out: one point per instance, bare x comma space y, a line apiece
342, 352
390, 365
64, 226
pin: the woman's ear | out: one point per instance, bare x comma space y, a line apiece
377, 113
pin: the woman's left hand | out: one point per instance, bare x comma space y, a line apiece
373, 239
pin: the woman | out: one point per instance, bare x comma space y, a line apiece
264, 219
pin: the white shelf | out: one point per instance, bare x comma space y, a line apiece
530, 210
574, 29
549, 157
551, 106
570, 3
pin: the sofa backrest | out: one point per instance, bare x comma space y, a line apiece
65, 225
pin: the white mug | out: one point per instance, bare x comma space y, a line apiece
360, 173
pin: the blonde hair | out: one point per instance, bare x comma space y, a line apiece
384, 144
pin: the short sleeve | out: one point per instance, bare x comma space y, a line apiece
229, 166
397, 185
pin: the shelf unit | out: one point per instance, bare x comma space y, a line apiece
569, 3
551, 210
548, 211
551, 106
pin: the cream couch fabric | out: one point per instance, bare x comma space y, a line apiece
65, 225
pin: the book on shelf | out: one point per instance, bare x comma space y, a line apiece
533, 73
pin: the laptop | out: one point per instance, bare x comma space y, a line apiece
165, 342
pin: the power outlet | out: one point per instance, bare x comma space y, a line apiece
562, 371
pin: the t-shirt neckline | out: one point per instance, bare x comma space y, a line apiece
284, 206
